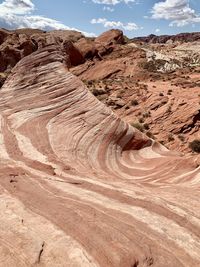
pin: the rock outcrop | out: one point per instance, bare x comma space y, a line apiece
120, 73
79, 186
181, 37
14, 45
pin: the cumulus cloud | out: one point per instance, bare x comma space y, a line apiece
112, 2
130, 26
107, 8
17, 7
17, 14
178, 12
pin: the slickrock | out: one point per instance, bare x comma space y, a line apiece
80, 187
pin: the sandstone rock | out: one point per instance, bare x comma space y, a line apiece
81, 187
110, 38
87, 48
74, 55
27, 45
9, 58
3, 35
3, 77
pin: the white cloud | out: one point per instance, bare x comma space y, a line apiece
130, 26
17, 14
157, 30
107, 8
17, 7
178, 12
112, 2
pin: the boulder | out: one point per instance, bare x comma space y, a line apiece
74, 56
111, 37
3, 35
87, 48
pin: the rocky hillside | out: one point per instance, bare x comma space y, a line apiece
162, 39
155, 87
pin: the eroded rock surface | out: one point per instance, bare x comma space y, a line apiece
79, 186
154, 84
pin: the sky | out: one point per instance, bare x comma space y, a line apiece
92, 17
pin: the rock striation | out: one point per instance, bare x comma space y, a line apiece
79, 186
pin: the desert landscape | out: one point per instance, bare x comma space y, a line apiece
99, 149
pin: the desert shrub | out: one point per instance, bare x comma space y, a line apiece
134, 102
146, 126
181, 137
97, 92
90, 82
141, 120
161, 94
164, 101
146, 114
169, 92
169, 109
138, 126
170, 137
153, 65
150, 135
195, 145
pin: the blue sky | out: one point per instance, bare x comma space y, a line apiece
134, 17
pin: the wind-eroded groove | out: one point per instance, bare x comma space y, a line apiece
118, 198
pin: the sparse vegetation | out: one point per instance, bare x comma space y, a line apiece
138, 126
146, 126
170, 137
169, 92
150, 135
141, 120
147, 114
181, 137
195, 145
134, 102
169, 109
97, 92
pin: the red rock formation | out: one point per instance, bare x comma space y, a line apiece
111, 37
87, 48
74, 55
181, 37
80, 187
124, 72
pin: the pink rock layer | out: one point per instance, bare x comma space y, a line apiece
80, 187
